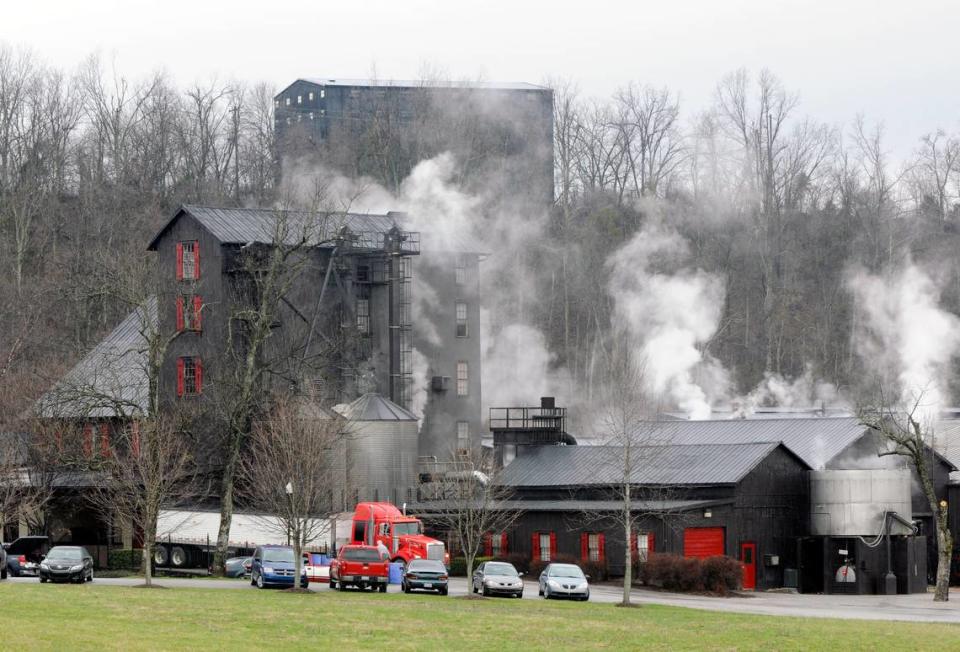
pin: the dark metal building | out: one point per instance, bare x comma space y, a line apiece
501, 132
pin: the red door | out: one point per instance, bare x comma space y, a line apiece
748, 555
703, 541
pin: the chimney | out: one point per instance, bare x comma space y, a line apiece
547, 403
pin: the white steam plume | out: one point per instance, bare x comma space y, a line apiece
904, 336
782, 391
669, 315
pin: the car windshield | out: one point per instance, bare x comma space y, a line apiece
277, 555
66, 554
361, 554
566, 570
401, 529
427, 566
500, 569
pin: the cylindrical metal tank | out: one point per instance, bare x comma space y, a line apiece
852, 503
381, 449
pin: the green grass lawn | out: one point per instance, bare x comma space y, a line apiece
65, 617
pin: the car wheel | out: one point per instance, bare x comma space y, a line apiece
90, 578
260, 581
473, 585
444, 591
546, 593
160, 556
43, 580
253, 580
486, 592
383, 588
333, 585
540, 591
405, 587
178, 557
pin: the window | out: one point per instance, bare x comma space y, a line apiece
188, 261
592, 546
287, 103
310, 96
463, 378
276, 102
544, 546
189, 376
323, 93
461, 319
461, 270
363, 316
311, 115
643, 546
299, 99
188, 313
88, 440
495, 544
463, 434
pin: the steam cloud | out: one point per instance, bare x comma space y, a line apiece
669, 315
904, 336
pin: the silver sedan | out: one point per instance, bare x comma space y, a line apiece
564, 581
497, 577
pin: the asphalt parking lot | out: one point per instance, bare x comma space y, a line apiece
918, 607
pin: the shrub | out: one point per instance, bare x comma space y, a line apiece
125, 559
520, 562
458, 565
722, 575
689, 574
597, 570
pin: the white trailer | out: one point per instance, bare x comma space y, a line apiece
186, 539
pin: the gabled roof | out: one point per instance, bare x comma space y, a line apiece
411, 83
374, 407
815, 441
567, 466
243, 225
109, 381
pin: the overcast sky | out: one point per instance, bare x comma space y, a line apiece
893, 61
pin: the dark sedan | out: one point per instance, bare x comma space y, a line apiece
425, 574
67, 564
237, 567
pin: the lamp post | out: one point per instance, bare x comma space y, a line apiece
290, 515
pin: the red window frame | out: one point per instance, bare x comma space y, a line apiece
196, 304
537, 556
197, 376
88, 440
585, 546
196, 260
105, 449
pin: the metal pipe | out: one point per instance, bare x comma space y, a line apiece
316, 311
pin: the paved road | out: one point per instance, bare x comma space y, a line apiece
919, 608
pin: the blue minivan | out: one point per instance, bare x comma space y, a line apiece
274, 565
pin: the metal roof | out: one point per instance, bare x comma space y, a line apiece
703, 464
109, 381
260, 225
374, 407
946, 440
815, 441
428, 508
426, 84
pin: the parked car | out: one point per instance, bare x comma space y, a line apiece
498, 577
274, 565
564, 581
237, 566
317, 570
426, 574
67, 564
24, 554
359, 566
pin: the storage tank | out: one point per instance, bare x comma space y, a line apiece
852, 503
381, 449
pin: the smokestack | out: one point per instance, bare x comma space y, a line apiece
547, 403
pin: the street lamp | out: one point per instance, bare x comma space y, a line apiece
290, 516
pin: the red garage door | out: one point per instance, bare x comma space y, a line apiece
702, 541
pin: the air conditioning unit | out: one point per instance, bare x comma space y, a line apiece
440, 383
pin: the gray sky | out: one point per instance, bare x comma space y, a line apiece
893, 61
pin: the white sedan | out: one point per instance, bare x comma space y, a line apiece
564, 581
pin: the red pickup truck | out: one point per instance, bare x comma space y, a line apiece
359, 566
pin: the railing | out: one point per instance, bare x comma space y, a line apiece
527, 418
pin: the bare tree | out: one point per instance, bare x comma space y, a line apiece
471, 503
146, 466
292, 470
907, 428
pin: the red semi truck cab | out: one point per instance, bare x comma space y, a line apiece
383, 523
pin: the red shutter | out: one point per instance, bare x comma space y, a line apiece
488, 545
633, 543
196, 260
553, 546
601, 544
584, 546
503, 543
535, 551
198, 366
179, 376
88, 440
135, 438
179, 261
105, 439
179, 314
650, 542
197, 305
